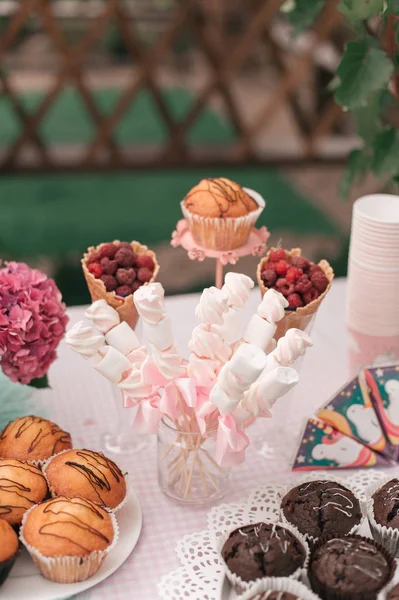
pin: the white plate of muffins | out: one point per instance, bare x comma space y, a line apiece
70, 509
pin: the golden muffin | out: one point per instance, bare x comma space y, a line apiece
9, 547
33, 439
21, 486
220, 213
68, 538
87, 474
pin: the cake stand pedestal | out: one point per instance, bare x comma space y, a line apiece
256, 245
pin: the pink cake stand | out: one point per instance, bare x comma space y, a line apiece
256, 245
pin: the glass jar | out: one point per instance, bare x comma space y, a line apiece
187, 469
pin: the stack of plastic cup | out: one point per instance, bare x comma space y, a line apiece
373, 281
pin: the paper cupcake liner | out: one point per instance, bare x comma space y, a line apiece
239, 584
323, 477
386, 536
327, 594
302, 316
280, 584
7, 565
68, 569
124, 306
385, 591
54, 495
223, 234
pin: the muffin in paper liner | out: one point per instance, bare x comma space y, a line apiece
386, 536
385, 591
322, 477
124, 306
242, 586
7, 565
279, 584
327, 594
302, 316
68, 569
228, 233
52, 494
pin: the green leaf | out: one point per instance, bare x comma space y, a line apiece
358, 164
301, 14
386, 152
363, 69
40, 382
392, 7
368, 120
361, 10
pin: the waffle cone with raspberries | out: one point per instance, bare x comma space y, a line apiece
298, 316
97, 288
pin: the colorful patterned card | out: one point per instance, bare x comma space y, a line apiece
383, 384
352, 413
323, 447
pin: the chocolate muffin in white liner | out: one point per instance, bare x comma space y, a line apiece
348, 507
283, 546
384, 594
387, 536
69, 568
93, 478
282, 585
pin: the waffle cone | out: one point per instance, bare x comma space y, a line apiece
302, 316
124, 306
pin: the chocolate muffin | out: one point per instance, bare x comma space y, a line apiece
21, 486
33, 439
349, 568
9, 547
86, 474
394, 593
275, 595
321, 508
386, 504
263, 550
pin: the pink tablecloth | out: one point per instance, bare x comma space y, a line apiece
81, 401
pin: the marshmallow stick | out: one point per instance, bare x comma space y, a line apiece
111, 363
236, 288
263, 394
103, 315
289, 348
262, 325
84, 340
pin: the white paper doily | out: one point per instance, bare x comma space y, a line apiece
201, 574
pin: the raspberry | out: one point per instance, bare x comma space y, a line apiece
136, 285
126, 276
125, 257
108, 250
282, 267
123, 290
314, 269
108, 266
293, 273
294, 301
310, 295
109, 282
144, 260
269, 277
277, 255
95, 257
303, 284
125, 245
300, 263
144, 274
285, 287
320, 281
95, 269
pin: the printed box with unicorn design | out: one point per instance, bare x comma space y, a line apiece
357, 427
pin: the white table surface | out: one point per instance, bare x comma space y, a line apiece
81, 401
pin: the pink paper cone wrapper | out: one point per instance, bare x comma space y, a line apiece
324, 477
68, 569
386, 536
242, 586
280, 584
45, 466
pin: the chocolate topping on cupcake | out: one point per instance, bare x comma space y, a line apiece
321, 508
21, 486
386, 504
275, 595
219, 198
263, 550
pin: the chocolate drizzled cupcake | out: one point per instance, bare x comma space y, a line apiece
21, 486
33, 439
320, 508
220, 213
383, 513
349, 568
279, 588
68, 539
87, 474
262, 550
9, 548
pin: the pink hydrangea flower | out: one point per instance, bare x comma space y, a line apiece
32, 322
